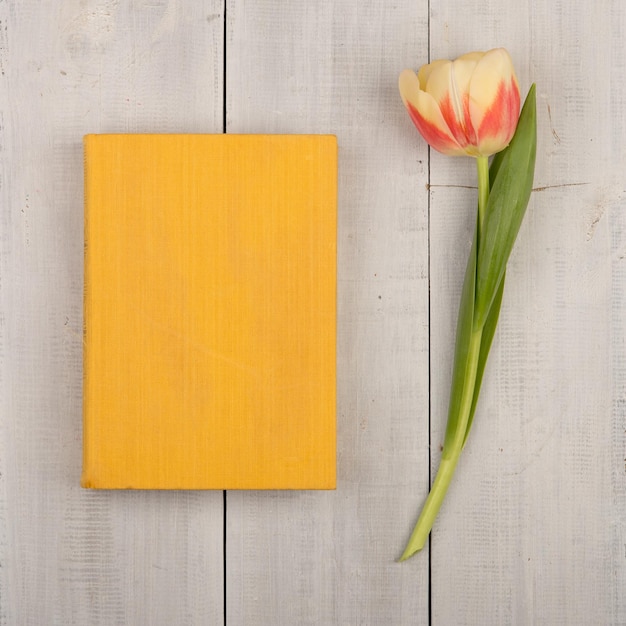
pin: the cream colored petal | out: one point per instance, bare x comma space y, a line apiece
434, 127
491, 145
438, 81
426, 70
409, 86
426, 116
495, 67
471, 56
427, 107
444, 87
463, 69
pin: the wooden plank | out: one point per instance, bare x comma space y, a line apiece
533, 529
69, 556
329, 558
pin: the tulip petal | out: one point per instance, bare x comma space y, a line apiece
494, 101
427, 116
463, 69
440, 86
426, 70
449, 85
472, 56
462, 72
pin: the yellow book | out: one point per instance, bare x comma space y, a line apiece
210, 312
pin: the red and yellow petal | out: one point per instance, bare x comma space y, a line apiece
500, 120
494, 101
449, 85
427, 116
467, 106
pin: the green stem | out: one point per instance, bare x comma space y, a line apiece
482, 165
453, 447
449, 458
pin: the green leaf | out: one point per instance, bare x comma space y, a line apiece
491, 323
489, 330
462, 348
494, 168
505, 210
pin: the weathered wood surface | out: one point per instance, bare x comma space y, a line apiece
534, 529
70, 556
329, 558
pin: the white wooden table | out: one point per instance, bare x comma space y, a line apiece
534, 528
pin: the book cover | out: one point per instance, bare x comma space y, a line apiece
210, 312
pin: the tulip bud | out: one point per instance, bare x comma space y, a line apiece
469, 106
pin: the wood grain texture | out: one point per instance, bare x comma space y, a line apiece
533, 528
329, 558
69, 556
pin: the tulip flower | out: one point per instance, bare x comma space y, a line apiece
470, 107
464, 107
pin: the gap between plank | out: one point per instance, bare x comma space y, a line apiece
224, 551
430, 454
224, 130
